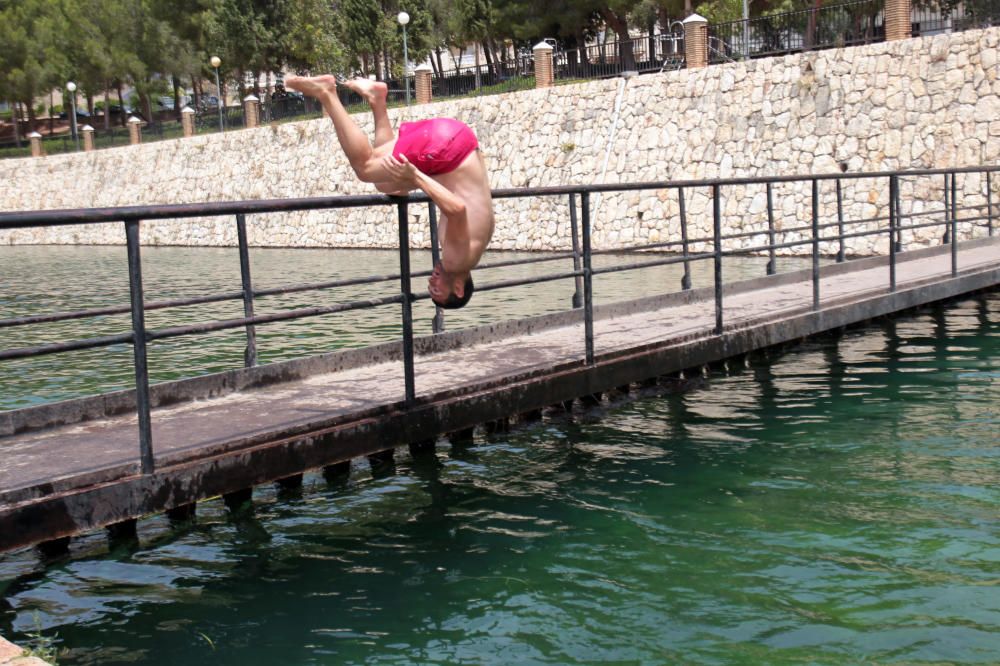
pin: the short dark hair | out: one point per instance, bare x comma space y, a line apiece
453, 302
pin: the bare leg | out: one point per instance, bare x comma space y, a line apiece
352, 139
375, 93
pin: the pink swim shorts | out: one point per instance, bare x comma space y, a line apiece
435, 146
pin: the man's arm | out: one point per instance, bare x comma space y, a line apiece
456, 255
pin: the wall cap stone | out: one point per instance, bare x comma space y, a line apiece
695, 18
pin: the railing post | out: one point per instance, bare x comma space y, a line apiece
954, 226
404, 285
893, 213
251, 111
898, 20
840, 223
187, 121
88, 138
578, 293
35, 139
134, 131
771, 263
423, 81
899, 220
947, 213
588, 291
695, 41
989, 205
139, 346
717, 246
815, 243
250, 353
437, 323
544, 72
686, 278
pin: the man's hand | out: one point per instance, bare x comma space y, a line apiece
401, 170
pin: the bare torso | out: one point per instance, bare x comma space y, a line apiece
470, 183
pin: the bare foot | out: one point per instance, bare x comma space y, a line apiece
314, 86
371, 90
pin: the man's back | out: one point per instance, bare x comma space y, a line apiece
470, 183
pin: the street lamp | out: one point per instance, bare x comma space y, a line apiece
216, 61
403, 19
71, 87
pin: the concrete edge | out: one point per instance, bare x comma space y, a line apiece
12, 655
67, 412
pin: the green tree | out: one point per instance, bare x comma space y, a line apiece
34, 58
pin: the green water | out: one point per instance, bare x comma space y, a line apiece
47, 279
836, 502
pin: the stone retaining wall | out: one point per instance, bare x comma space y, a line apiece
917, 103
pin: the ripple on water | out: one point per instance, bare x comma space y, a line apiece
819, 505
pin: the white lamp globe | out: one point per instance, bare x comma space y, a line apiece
216, 61
71, 86
403, 18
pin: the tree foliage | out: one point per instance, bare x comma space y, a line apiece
155, 46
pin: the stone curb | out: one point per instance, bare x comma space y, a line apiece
10, 655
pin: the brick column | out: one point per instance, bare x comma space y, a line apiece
695, 41
88, 137
544, 75
897, 20
251, 106
187, 121
36, 144
134, 131
422, 76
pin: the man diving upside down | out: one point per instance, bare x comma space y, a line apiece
439, 156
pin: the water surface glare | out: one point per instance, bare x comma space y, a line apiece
834, 503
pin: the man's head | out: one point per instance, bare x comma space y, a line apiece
450, 290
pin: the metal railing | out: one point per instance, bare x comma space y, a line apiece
829, 26
649, 53
819, 233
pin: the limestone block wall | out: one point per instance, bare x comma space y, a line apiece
916, 103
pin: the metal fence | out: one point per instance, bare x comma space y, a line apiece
650, 53
516, 73
965, 16
821, 234
829, 26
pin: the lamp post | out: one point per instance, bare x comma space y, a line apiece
71, 87
216, 61
403, 19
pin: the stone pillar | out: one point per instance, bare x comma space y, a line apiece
134, 130
544, 74
696, 41
422, 76
187, 121
36, 144
897, 20
88, 137
251, 106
